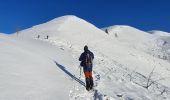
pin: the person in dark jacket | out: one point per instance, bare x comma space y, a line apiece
86, 59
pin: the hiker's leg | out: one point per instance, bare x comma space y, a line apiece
88, 84
91, 79
86, 73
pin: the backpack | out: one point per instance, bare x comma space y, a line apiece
88, 58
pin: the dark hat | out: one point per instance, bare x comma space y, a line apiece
85, 48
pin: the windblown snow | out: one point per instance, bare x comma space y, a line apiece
41, 63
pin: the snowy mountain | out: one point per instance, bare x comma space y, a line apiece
147, 46
129, 36
66, 27
41, 63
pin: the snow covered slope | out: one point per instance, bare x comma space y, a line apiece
139, 44
28, 70
122, 65
163, 42
130, 36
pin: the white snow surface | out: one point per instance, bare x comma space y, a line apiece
28, 71
33, 67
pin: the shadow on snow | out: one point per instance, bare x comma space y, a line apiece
69, 74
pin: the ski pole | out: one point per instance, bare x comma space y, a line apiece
80, 72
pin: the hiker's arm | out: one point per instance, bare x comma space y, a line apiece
92, 56
81, 57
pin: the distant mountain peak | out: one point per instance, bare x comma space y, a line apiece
124, 29
68, 25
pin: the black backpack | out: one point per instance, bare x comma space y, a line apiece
88, 58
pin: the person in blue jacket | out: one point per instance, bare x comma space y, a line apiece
86, 59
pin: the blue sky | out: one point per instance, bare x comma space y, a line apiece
143, 14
